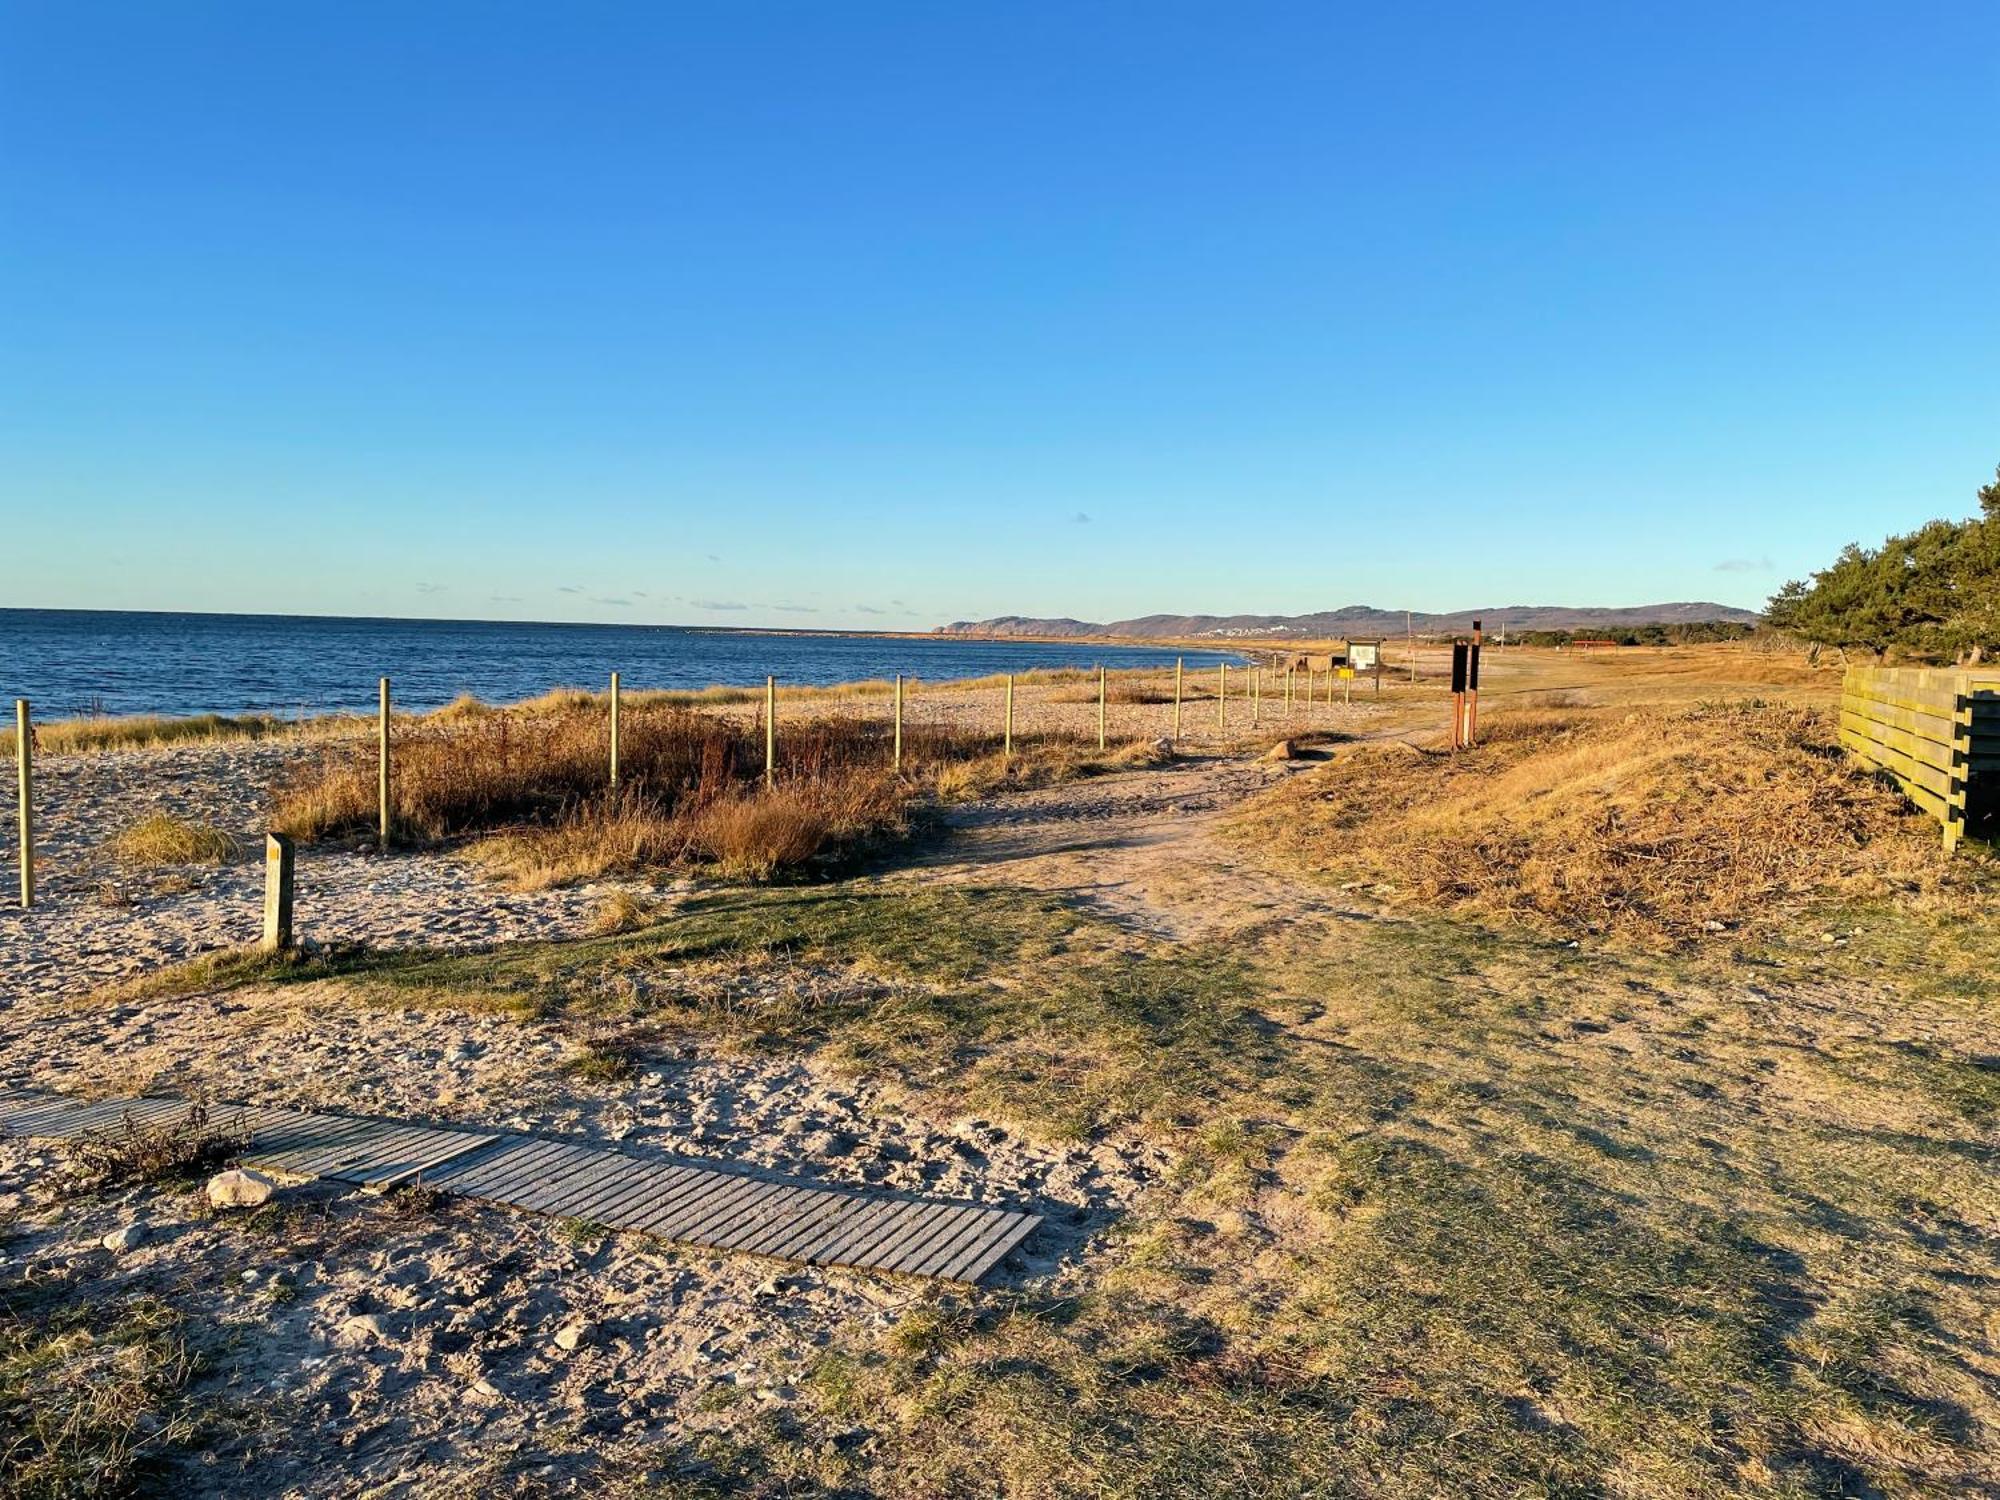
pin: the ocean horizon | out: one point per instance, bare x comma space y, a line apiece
71, 663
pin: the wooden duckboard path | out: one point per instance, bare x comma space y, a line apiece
695, 1204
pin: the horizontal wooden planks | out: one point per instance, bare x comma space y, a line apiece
697, 1204
1936, 732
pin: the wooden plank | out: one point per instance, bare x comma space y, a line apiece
948, 1247
847, 1211
689, 1202
530, 1170
938, 1233
453, 1145
771, 1219
994, 1254
1896, 742
699, 1222
308, 1141
637, 1187
666, 1190
573, 1183
729, 1194
859, 1230
648, 1189
1934, 729
1000, 1226
325, 1157
1932, 778
895, 1235
737, 1211
496, 1173
407, 1158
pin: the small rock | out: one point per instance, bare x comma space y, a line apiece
481, 1391
1711, 925
122, 1239
1283, 750
365, 1328
240, 1188
572, 1335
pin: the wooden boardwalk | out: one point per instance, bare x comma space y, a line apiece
694, 1203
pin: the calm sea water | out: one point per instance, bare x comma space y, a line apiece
71, 662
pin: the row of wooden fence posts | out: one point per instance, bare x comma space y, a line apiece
384, 774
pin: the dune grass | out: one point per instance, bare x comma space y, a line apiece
1651, 825
142, 731
162, 838
530, 788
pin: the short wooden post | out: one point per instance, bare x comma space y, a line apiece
382, 763
1222, 698
277, 893
1256, 695
24, 761
1100, 706
614, 731
770, 730
899, 721
1008, 747
1288, 690
1177, 700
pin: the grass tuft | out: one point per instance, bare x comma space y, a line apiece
164, 839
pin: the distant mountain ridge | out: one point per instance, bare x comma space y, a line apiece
1362, 619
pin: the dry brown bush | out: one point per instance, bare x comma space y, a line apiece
1651, 825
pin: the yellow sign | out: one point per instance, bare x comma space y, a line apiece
1347, 671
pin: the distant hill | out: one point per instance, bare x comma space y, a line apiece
1360, 619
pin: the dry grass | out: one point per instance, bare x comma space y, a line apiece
137, 731
621, 911
532, 787
1650, 825
164, 839
135, 1153
91, 1389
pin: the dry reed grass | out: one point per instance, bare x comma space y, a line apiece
532, 788
1652, 826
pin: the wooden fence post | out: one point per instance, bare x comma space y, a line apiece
24, 761
1100, 705
1256, 695
1222, 698
1288, 691
1177, 700
382, 762
899, 721
614, 731
770, 730
1008, 749
277, 893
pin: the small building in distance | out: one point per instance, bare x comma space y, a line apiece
1363, 654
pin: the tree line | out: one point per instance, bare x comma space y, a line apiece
1693, 633
1932, 593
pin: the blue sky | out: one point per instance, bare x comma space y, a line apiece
880, 315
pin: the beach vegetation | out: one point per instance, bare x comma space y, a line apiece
164, 838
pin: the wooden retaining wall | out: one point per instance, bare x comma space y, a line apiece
1937, 732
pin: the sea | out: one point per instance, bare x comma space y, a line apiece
70, 663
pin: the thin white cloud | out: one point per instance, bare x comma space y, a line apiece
1744, 565
717, 604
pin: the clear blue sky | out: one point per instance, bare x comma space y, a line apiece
821, 310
